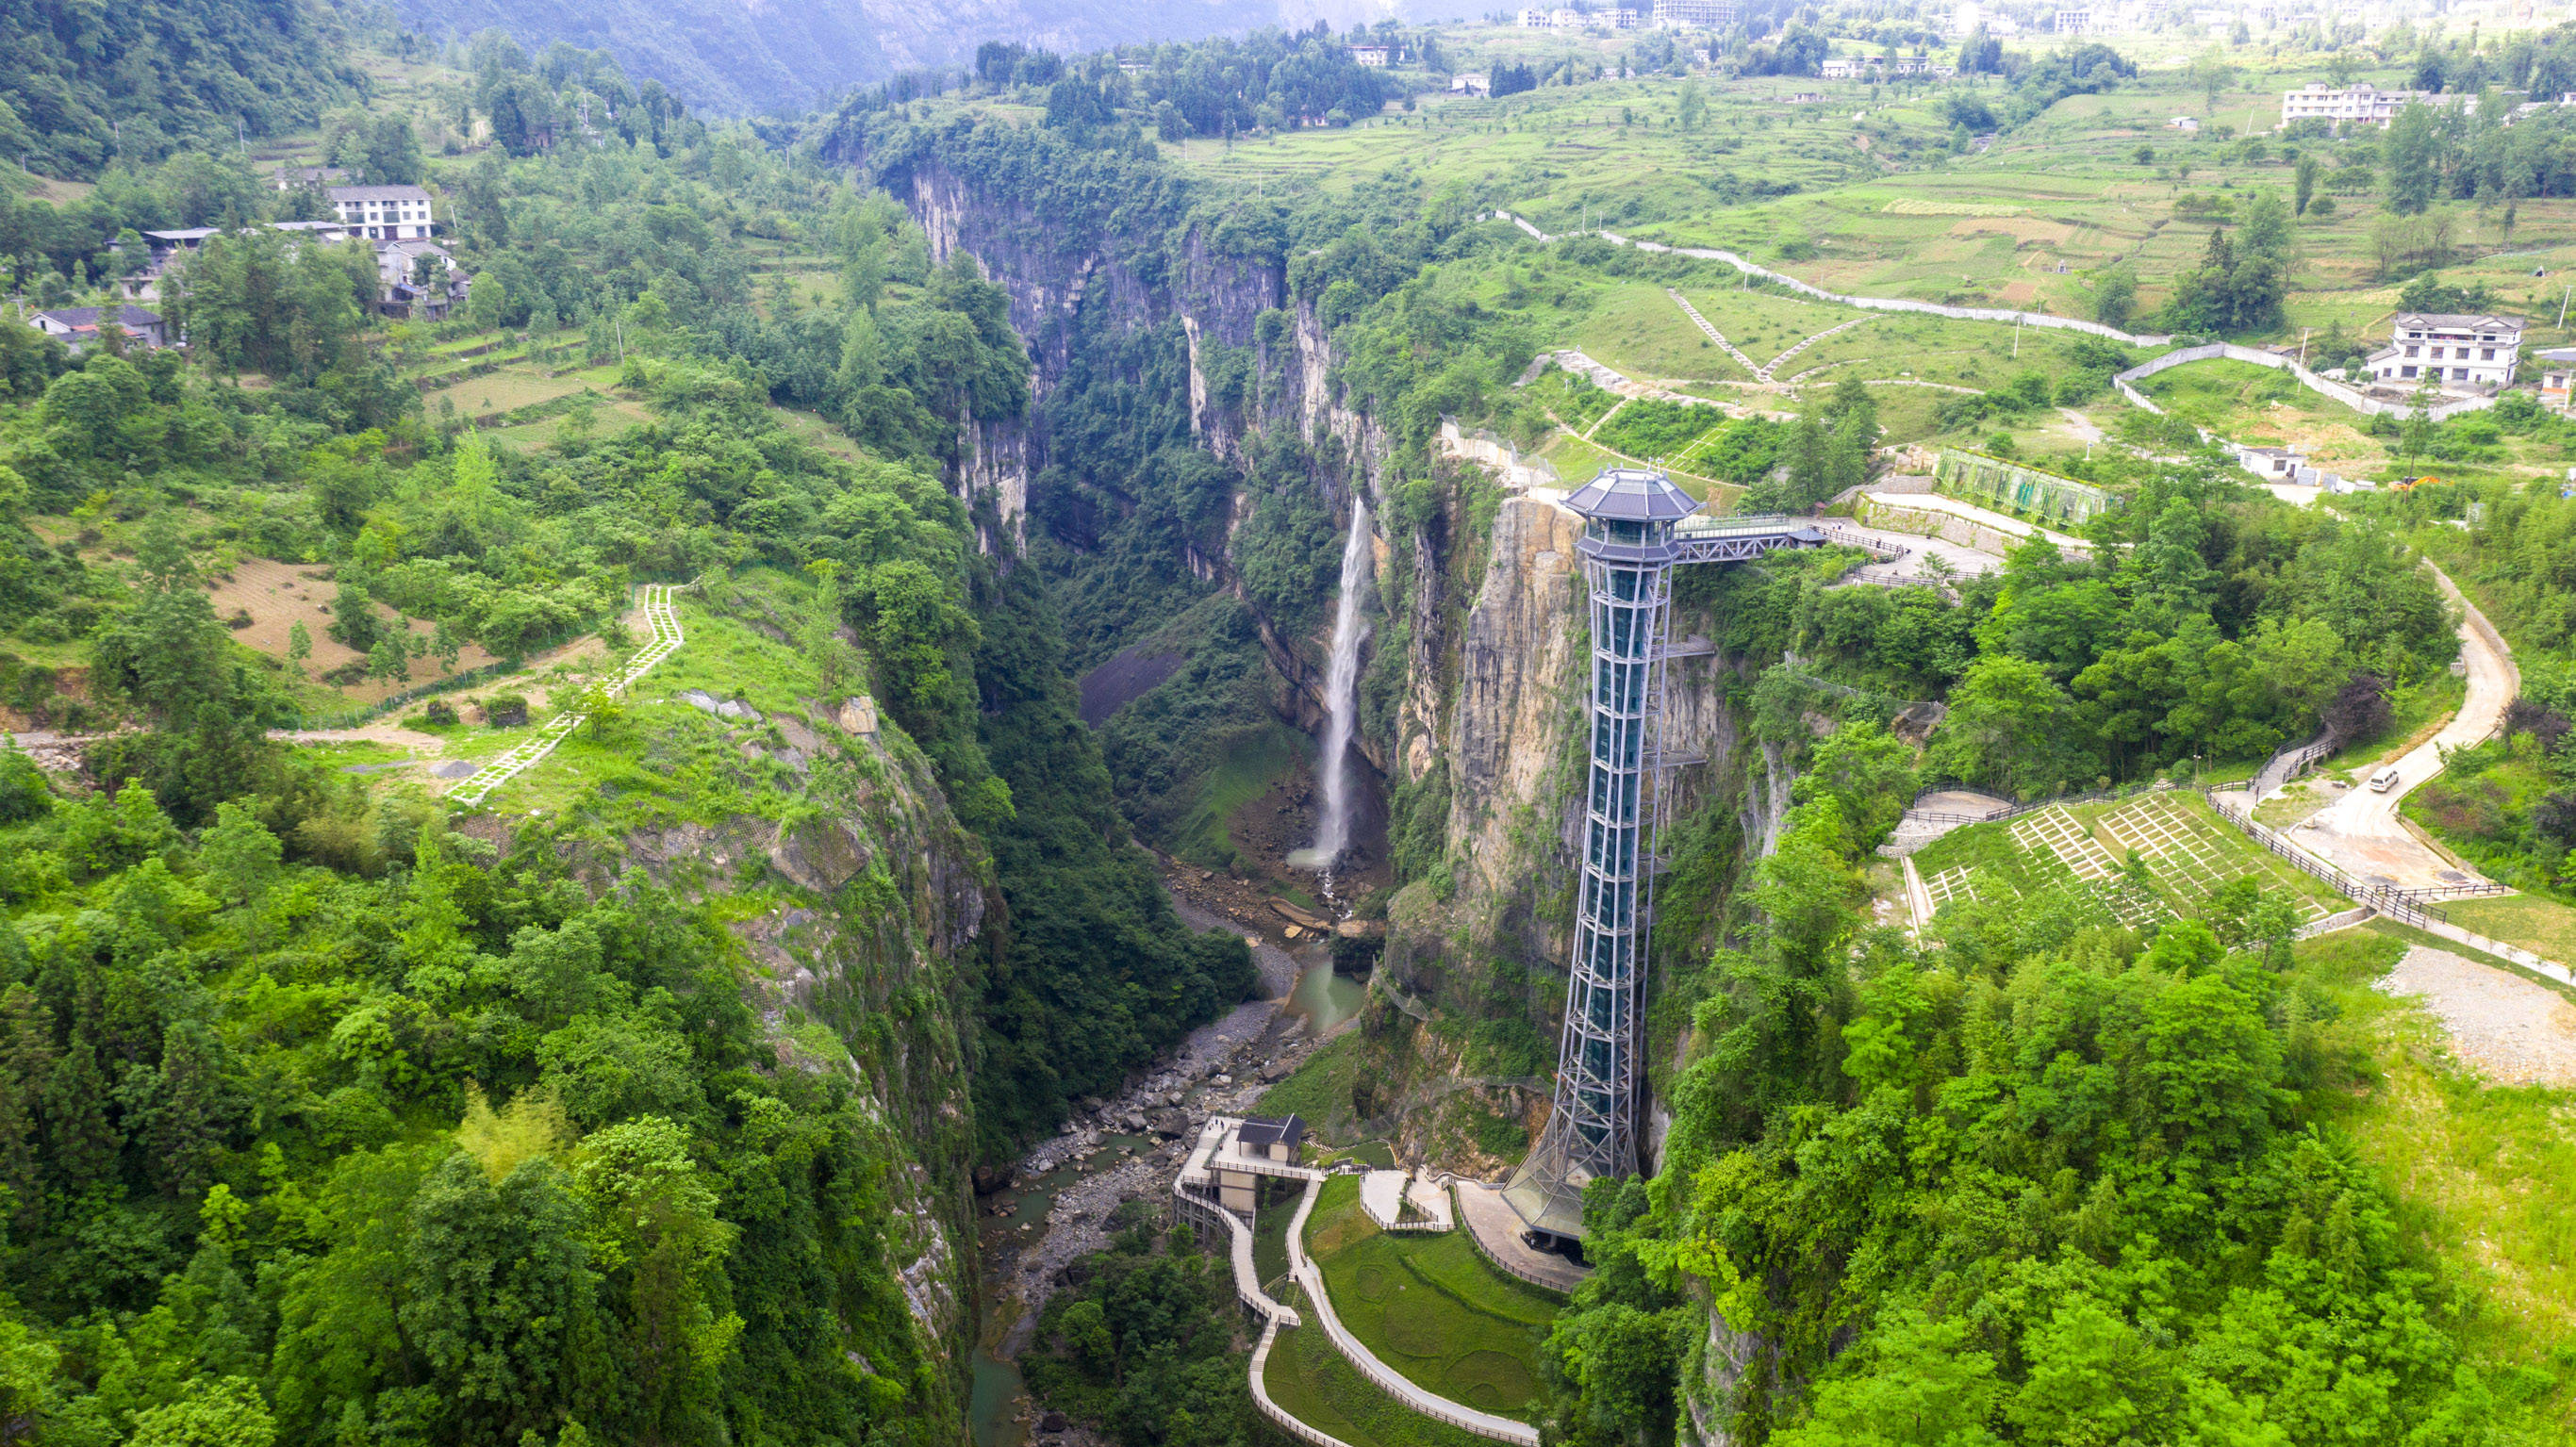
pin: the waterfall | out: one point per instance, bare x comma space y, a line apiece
1342, 697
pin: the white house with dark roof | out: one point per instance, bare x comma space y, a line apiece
383, 213
78, 326
2452, 350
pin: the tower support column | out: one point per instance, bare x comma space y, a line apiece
1629, 552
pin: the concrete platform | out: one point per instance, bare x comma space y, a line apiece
1497, 1229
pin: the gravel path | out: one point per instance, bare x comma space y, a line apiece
2515, 1031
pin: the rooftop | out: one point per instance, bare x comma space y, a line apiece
2458, 321
83, 317
378, 193
1631, 494
1266, 1130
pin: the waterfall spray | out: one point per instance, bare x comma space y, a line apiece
1341, 698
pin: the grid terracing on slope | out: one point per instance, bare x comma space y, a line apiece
2192, 856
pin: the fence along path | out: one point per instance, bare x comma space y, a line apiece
663, 619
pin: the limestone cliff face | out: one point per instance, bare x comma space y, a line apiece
855, 918
1516, 724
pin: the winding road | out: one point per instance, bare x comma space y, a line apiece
2361, 833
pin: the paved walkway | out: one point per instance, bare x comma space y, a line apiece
1381, 1195
1965, 562
2362, 833
1497, 1229
1308, 1275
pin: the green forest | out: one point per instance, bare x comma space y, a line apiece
651, 1103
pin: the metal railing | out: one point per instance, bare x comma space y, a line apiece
2395, 903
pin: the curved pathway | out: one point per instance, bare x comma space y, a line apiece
663, 619
2362, 832
1303, 1270
1871, 303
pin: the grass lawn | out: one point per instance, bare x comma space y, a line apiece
1320, 1089
2543, 926
1318, 1387
1637, 331
1577, 461
1430, 1307
506, 390
2486, 1174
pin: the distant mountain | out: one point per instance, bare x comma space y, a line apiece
736, 56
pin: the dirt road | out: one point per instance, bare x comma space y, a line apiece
2361, 832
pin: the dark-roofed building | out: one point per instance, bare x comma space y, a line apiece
383, 213
78, 326
1276, 1137
290, 177
421, 280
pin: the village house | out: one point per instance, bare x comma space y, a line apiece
1695, 14
420, 280
383, 213
1471, 85
2272, 464
2557, 370
2361, 102
1373, 57
1249, 1149
289, 178
78, 326
2453, 351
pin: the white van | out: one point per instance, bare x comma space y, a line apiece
2384, 780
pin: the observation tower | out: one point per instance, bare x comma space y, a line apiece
1637, 528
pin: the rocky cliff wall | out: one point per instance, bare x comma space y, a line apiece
857, 918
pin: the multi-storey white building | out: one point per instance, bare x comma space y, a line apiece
2074, 22
382, 213
1696, 14
2452, 351
2362, 102
1847, 67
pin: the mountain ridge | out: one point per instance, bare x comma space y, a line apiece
729, 57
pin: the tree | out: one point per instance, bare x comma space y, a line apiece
501, 1300
2306, 183
222, 1412
83, 1141
388, 660
239, 853
2412, 149
299, 646
2115, 297
2011, 726
2209, 74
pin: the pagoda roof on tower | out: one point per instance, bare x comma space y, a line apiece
1632, 494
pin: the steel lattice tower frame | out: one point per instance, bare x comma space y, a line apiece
1629, 552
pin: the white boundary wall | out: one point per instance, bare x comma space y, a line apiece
2322, 386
